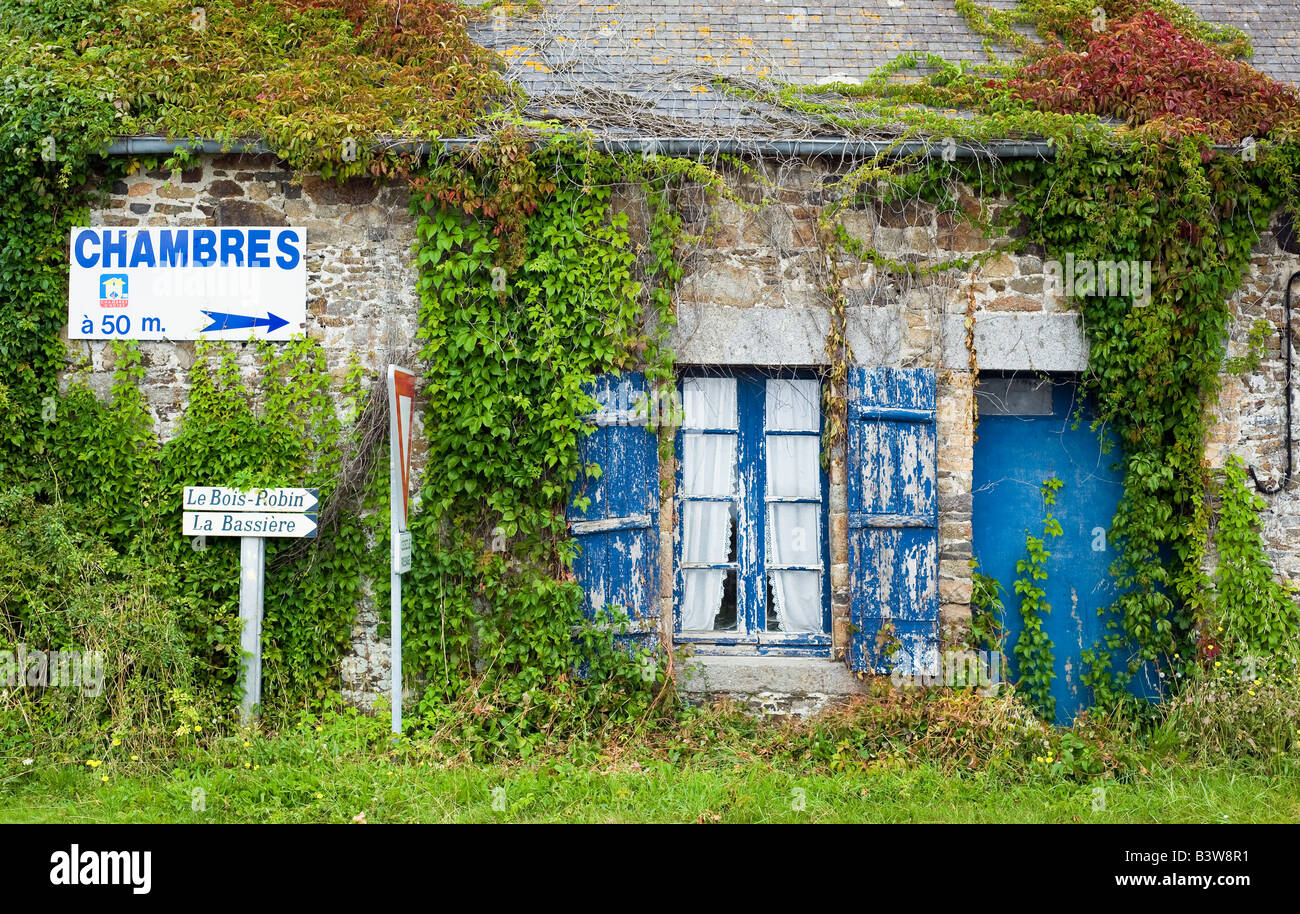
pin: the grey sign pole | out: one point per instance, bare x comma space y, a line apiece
252, 587
401, 398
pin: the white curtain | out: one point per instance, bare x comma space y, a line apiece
794, 528
793, 405
709, 402
708, 539
708, 468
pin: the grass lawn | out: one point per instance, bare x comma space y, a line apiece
339, 789
925, 758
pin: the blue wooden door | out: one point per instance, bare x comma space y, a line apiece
1031, 430
893, 520
618, 532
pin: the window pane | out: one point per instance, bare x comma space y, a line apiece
708, 531
1014, 397
793, 465
793, 405
794, 534
709, 464
709, 402
708, 600
796, 600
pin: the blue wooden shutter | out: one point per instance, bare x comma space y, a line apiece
893, 516
618, 534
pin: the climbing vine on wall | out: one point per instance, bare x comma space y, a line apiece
1033, 650
325, 85
531, 283
530, 288
270, 420
517, 319
1157, 191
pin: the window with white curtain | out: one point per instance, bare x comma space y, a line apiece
750, 540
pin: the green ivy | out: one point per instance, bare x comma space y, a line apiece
1257, 615
531, 284
987, 626
513, 344
1033, 648
267, 420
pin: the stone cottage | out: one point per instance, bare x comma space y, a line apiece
778, 572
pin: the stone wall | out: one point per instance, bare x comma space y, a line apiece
1251, 412
360, 300
753, 294
360, 285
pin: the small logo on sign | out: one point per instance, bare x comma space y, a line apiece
112, 290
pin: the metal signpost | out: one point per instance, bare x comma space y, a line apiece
401, 396
252, 515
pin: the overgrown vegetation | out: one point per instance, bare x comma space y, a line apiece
1033, 650
94, 558
1155, 189
531, 285
515, 330
919, 757
530, 289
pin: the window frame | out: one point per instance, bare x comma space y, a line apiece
751, 565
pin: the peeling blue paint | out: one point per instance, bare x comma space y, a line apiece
1015, 453
893, 516
618, 533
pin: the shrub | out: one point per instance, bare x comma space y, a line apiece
63, 588
1248, 708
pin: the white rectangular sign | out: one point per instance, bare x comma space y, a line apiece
222, 498
187, 283
236, 523
401, 552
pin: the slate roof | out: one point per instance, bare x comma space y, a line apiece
1273, 27
645, 67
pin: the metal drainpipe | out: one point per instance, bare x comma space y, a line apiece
1290, 450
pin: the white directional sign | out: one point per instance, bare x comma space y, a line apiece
221, 498
249, 523
187, 283
224, 511
252, 515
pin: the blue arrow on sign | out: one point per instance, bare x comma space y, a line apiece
223, 321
